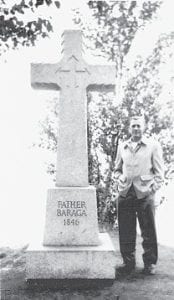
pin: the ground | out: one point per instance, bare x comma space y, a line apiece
133, 287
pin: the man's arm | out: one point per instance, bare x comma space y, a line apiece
158, 166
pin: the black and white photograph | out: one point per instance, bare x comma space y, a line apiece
87, 150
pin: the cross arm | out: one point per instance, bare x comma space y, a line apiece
102, 76
43, 76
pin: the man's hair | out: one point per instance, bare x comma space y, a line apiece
137, 118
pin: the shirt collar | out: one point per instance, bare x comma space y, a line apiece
142, 141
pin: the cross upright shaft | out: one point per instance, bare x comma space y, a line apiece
72, 76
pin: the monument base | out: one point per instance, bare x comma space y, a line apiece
71, 217
70, 262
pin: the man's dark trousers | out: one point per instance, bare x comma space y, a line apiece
129, 209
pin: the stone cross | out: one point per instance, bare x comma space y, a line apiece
72, 76
72, 246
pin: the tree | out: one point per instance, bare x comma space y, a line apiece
116, 24
15, 30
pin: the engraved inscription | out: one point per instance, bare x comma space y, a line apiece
71, 210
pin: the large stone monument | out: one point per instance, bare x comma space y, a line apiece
72, 246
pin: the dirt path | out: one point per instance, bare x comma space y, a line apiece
133, 287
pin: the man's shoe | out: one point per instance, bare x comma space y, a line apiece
149, 269
125, 269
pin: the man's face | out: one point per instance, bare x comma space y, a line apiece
136, 128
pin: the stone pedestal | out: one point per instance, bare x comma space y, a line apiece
65, 262
71, 217
72, 246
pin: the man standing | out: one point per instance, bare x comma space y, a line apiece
139, 173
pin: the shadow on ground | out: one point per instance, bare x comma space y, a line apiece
133, 287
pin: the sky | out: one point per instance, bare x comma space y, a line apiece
23, 177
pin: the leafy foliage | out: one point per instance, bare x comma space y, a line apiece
117, 23
15, 31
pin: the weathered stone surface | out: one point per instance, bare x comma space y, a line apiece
71, 217
72, 76
72, 262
